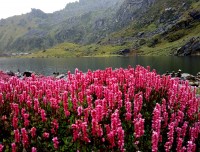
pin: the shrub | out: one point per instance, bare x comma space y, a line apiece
171, 37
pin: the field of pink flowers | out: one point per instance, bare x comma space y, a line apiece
131, 109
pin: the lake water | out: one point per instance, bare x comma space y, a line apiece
47, 66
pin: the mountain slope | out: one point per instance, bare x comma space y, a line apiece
145, 27
158, 29
80, 22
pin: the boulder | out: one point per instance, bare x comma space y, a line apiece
168, 15
194, 84
190, 48
195, 14
27, 73
56, 73
61, 76
140, 34
186, 76
124, 52
10, 73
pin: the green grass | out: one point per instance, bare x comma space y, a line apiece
76, 50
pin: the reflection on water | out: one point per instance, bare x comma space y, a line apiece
47, 66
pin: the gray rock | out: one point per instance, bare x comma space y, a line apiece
185, 76
168, 15
27, 73
140, 34
195, 83
61, 76
124, 52
195, 14
190, 48
10, 73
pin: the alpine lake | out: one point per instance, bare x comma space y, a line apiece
48, 66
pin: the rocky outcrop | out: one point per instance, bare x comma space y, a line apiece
132, 9
124, 52
190, 48
195, 14
38, 13
168, 15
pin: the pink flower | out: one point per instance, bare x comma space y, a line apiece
33, 149
111, 138
14, 147
36, 105
4, 117
170, 136
25, 140
138, 100
99, 113
17, 135
84, 132
138, 126
154, 140
55, 142
80, 110
1, 97
179, 144
75, 129
33, 132
55, 126
156, 125
120, 133
1, 147
128, 110
43, 115
15, 122
26, 123
45, 135
191, 147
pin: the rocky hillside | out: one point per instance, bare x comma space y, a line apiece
158, 27
80, 22
145, 27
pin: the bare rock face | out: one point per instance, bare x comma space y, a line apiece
190, 48
195, 14
132, 9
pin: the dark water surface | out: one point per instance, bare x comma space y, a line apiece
47, 66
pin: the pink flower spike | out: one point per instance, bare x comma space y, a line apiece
14, 147
45, 135
1, 147
55, 142
33, 149
33, 132
17, 135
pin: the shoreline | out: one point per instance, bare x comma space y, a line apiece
194, 80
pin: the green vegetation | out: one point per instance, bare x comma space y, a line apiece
75, 50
